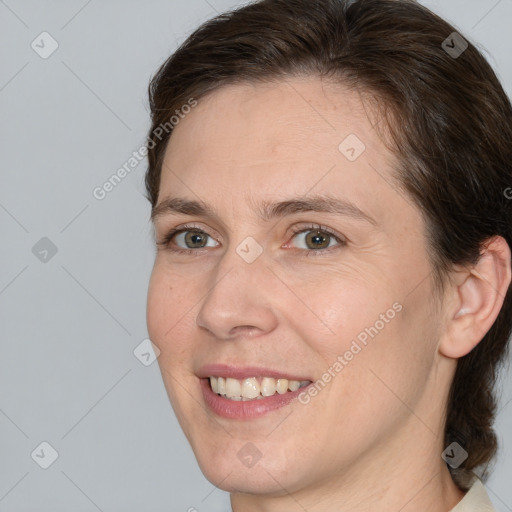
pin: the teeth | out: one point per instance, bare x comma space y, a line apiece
268, 386
293, 385
282, 386
251, 389
233, 388
221, 385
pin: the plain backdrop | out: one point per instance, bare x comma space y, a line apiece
74, 269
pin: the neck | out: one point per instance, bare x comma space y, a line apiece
404, 472
432, 491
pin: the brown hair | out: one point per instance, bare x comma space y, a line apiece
449, 121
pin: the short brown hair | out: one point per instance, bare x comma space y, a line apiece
449, 121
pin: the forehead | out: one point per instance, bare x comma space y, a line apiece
279, 139
268, 119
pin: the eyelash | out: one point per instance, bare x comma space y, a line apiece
306, 252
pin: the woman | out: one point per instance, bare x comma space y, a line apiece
331, 292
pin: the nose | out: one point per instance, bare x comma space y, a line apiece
240, 299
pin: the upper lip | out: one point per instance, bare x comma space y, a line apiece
244, 372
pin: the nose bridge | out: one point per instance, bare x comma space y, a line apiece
242, 264
237, 295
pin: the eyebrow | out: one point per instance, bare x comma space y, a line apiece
266, 210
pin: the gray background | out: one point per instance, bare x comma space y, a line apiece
69, 325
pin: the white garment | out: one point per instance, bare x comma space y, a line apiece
476, 499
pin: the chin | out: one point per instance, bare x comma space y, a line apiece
246, 469
255, 480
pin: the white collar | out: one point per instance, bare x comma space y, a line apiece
476, 498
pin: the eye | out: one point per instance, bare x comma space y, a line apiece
315, 238
190, 236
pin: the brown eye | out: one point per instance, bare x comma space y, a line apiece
315, 238
187, 239
195, 239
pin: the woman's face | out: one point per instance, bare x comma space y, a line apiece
265, 301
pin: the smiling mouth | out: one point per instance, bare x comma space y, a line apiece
253, 388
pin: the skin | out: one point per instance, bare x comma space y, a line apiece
372, 438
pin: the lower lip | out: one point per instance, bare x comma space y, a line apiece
249, 409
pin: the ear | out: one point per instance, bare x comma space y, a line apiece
477, 295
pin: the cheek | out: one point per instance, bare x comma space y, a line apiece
157, 303
166, 318
342, 310
359, 330
166, 313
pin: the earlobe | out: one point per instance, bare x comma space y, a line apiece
479, 297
